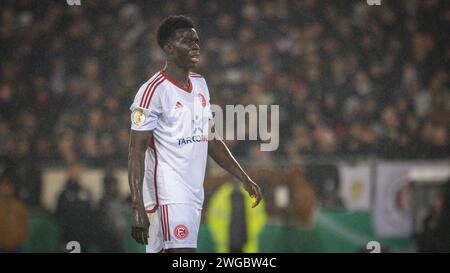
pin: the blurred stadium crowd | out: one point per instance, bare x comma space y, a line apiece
351, 79
359, 80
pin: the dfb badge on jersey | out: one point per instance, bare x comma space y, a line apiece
138, 117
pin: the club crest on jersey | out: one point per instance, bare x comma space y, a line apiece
181, 232
138, 117
202, 99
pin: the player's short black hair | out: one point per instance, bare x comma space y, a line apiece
169, 25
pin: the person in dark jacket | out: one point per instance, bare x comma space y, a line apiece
435, 237
112, 225
74, 212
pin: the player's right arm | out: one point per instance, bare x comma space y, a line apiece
136, 167
145, 112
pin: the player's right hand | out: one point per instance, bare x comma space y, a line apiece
139, 228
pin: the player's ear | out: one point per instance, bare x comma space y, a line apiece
168, 48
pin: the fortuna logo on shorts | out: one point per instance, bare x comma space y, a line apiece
181, 232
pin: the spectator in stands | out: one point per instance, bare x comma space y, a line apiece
15, 222
74, 211
111, 231
435, 236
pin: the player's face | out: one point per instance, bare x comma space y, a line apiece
186, 48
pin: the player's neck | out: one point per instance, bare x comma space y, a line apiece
180, 75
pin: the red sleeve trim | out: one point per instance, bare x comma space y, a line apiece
148, 89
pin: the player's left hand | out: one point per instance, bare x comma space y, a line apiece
253, 190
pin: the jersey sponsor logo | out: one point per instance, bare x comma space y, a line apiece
197, 131
181, 232
196, 125
138, 117
202, 99
192, 139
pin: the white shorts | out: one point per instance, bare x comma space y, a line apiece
173, 226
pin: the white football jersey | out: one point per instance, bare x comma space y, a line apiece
175, 160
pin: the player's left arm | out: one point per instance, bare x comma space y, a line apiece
218, 150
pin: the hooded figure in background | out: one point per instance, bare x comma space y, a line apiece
436, 235
74, 212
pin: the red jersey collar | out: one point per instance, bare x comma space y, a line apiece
188, 89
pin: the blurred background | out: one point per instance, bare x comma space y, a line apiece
364, 122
